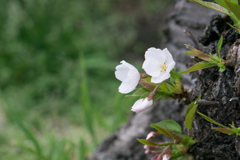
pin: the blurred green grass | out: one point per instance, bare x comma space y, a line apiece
56, 104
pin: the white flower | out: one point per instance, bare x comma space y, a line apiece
129, 76
165, 157
141, 105
158, 64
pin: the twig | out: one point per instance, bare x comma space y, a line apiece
189, 34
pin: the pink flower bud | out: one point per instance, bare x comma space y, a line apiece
151, 95
144, 75
149, 86
150, 136
147, 151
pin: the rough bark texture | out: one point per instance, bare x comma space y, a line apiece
220, 87
211, 84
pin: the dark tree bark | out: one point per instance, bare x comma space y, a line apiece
211, 84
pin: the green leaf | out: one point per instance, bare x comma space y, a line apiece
188, 141
225, 130
139, 92
190, 106
198, 66
219, 46
222, 3
175, 75
162, 130
166, 144
197, 53
211, 120
150, 143
168, 133
170, 125
163, 87
234, 1
146, 142
221, 68
190, 113
213, 6
234, 8
190, 116
176, 136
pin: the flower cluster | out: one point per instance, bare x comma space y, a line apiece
158, 65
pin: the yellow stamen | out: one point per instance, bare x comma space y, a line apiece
162, 67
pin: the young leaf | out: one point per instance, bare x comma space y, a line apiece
139, 92
170, 125
146, 142
165, 144
198, 66
234, 1
162, 130
222, 3
197, 53
168, 133
219, 46
190, 106
190, 112
211, 120
213, 6
188, 141
190, 116
234, 8
225, 130
176, 136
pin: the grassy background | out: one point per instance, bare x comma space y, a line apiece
58, 96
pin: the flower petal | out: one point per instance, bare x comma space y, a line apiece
129, 76
155, 53
141, 105
160, 78
169, 57
121, 72
128, 65
125, 88
150, 66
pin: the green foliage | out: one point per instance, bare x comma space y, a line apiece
225, 130
198, 66
190, 112
219, 46
180, 142
170, 125
228, 7
208, 60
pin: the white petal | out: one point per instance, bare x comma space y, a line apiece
128, 65
160, 78
125, 88
170, 67
150, 66
165, 157
141, 105
121, 72
133, 79
169, 57
155, 53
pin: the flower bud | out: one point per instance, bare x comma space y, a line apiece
149, 86
144, 75
152, 135
141, 105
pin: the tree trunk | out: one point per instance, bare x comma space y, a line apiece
210, 83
